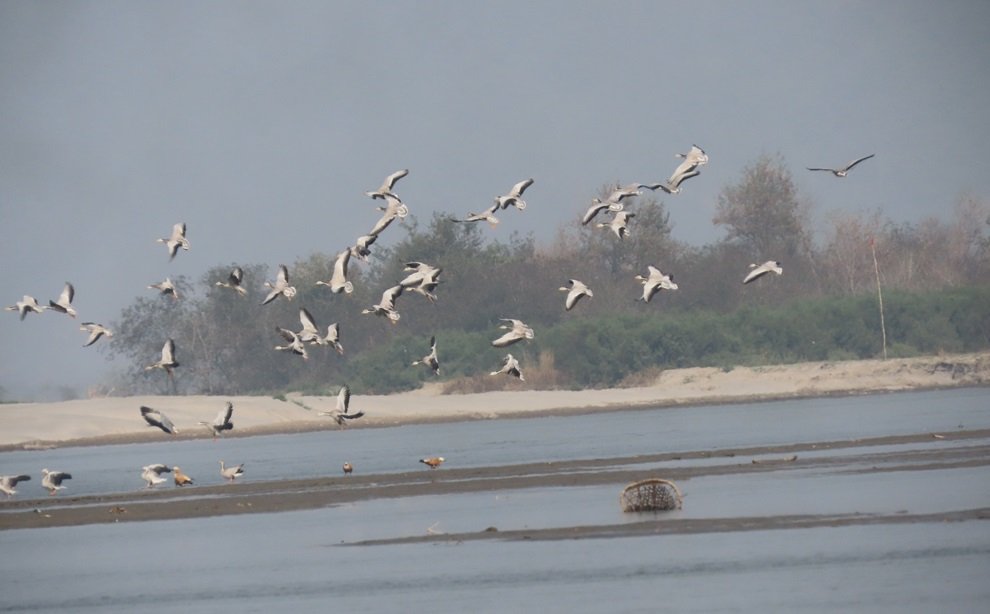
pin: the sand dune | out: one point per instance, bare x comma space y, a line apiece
112, 420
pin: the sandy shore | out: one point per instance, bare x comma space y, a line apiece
117, 420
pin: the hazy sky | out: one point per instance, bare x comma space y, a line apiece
260, 124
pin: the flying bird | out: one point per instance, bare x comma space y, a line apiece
654, 282
619, 222
338, 280
673, 185
386, 307
52, 480
281, 286
695, 157
167, 362
180, 478
770, 266
488, 215
432, 462
231, 473
95, 332
518, 331
361, 246
510, 366
222, 422
157, 419
295, 344
177, 239
25, 305
342, 411
386, 188
234, 281
64, 302
167, 288
842, 172
8, 482
514, 197
575, 291
152, 474
430, 360
422, 279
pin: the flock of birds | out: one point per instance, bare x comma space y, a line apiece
421, 278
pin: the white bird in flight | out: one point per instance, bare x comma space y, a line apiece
159, 420
510, 366
575, 291
177, 239
386, 188
52, 480
222, 422
95, 332
167, 288
25, 305
514, 197
9, 482
770, 266
281, 286
64, 302
167, 361
338, 280
234, 281
654, 282
341, 412
386, 307
430, 360
152, 474
842, 172
518, 330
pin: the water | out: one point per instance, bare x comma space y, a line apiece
295, 561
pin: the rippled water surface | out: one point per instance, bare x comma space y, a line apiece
296, 561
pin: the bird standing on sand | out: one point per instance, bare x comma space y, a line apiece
157, 419
842, 172
26, 304
348, 468
8, 482
432, 462
178, 238
281, 286
430, 360
222, 422
180, 478
64, 302
770, 266
234, 281
231, 473
152, 474
95, 332
52, 480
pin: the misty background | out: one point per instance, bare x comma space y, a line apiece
261, 124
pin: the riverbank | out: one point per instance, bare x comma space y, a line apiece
113, 420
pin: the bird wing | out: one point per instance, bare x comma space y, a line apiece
520, 187
287, 334
168, 352
225, 414
592, 211
68, 293
282, 278
756, 272
344, 399
158, 468
831, 170
389, 296
389, 182
236, 276
306, 319
855, 162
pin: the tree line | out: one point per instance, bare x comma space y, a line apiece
934, 274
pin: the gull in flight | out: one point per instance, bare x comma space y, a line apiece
64, 302
655, 281
152, 474
510, 366
168, 361
295, 344
614, 200
386, 188
842, 172
231, 473
361, 246
386, 307
310, 333
341, 412
52, 480
488, 215
770, 266
430, 360
619, 222
281, 286
157, 419
177, 239
517, 332
685, 170
422, 279
394, 208
234, 281
166, 287
26, 304
8, 482
222, 422
514, 197
575, 291
95, 332
338, 280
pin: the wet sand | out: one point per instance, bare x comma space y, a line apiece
113, 420
971, 450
